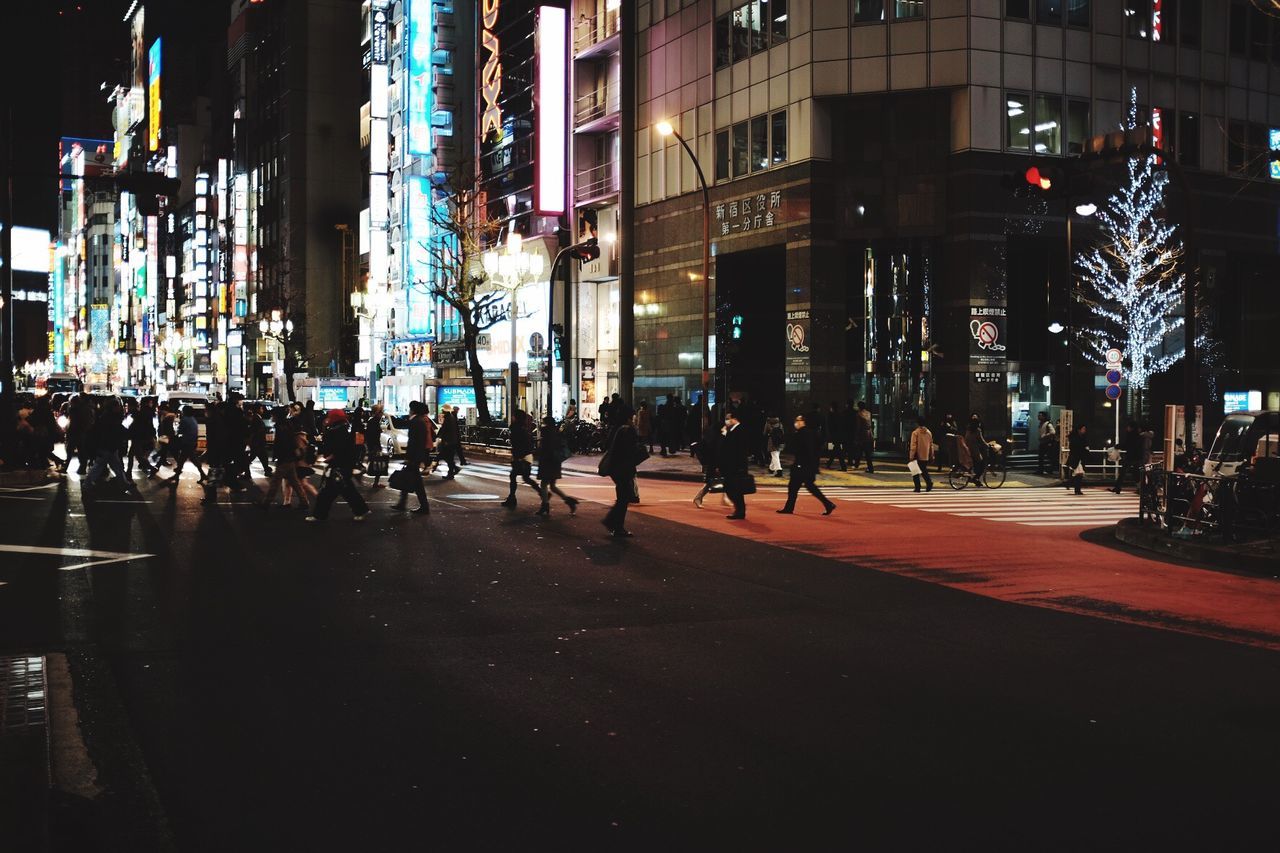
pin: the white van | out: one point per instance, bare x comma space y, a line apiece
1243, 438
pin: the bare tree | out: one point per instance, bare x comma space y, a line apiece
461, 231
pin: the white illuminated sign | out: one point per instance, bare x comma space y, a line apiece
551, 117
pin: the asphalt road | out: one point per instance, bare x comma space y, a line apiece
484, 678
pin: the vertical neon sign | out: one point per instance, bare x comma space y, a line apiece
491, 73
551, 117
153, 99
420, 47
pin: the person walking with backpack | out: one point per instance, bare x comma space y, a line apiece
552, 451
521, 455
339, 447
804, 470
417, 452
920, 451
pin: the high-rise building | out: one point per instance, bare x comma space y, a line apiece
865, 245
295, 178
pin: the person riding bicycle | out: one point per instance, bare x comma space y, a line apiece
974, 447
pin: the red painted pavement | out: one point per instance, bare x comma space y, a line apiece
1051, 567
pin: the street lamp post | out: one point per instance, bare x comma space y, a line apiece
511, 271
279, 330
665, 128
369, 305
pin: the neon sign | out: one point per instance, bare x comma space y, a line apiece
491, 75
420, 47
551, 111
153, 91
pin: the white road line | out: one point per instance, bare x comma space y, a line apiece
21, 497
27, 488
105, 556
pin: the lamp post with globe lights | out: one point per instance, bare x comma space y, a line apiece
511, 270
278, 328
370, 305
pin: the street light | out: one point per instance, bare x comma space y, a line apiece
665, 128
368, 305
511, 270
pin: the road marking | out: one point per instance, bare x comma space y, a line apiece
27, 488
105, 556
1032, 507
21, 497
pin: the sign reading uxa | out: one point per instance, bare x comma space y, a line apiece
491, 73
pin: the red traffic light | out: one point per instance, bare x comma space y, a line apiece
1035, 179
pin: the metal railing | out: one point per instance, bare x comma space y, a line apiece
597, 181
591, 31
598, 103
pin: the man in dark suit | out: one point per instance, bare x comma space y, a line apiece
804, 444
735, 450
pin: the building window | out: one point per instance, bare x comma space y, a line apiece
1017, 9
776, 12
1188, 25
1078, 13
751, 28
724, 49
1188, 140
1077, 126
759, 143
1137, 18
907, 9
1048, 129
722, 156
1237, 39
779, 137
1258, 151
1235, 147
1259, 30
740, 153
1049, 11
868, 11
1018, 124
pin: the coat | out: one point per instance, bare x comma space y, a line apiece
644, 422
1077, 449
804, 444
340, 446
622, 454
735, 450
549, 450
421, 434
921, 447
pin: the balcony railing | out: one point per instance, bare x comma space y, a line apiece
596, 182
588, 32
598, 103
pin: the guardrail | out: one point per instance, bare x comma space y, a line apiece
1193, 505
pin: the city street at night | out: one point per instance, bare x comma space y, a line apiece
639, 425
486, 677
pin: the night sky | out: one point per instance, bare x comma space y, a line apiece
57, 54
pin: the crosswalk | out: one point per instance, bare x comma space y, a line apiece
1033, 507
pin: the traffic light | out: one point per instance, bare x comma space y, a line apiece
1037, 179
736, 332
586, 251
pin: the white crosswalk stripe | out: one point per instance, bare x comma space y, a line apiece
1033, 507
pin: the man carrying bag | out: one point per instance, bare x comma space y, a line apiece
735, 451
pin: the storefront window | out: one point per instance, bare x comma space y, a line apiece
1048, 135
759, 143
1018, 121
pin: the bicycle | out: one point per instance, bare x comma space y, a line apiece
993, 476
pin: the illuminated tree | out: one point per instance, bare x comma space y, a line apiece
1132, 283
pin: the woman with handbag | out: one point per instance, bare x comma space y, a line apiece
417, 451
1077, 452
735, 453
619, 464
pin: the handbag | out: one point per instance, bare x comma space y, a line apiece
747, 485
603, 468
914, 467
399, 479
377, 467
1079, 469
641, 454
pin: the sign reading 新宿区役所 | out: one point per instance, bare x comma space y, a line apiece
986, 342
762, 210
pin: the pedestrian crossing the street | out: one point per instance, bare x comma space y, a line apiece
1033, 507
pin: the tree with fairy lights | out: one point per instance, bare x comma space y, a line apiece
1132, 284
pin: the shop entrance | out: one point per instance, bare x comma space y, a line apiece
750, 324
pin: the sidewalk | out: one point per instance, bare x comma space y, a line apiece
1257, 557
